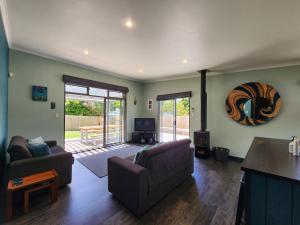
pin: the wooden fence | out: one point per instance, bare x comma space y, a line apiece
182, 122
72, 123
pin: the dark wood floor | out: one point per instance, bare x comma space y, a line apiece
209, 197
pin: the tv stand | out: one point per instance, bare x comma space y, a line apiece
144, 137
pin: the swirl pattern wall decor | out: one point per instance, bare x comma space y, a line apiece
253, 103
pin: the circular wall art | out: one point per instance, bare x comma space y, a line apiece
253, 103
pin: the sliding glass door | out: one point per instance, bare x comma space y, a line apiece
84, 119
94, 117
167, 121
182, 118
115, 121
174, 119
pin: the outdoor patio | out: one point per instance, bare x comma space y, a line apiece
76, 146
79, 149
167, 133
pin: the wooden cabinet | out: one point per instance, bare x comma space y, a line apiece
272, 184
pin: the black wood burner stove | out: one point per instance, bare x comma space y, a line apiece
202, 137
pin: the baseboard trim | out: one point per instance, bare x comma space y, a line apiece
235, 158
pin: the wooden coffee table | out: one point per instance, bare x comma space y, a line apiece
31, 184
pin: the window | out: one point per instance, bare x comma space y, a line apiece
115, 94
98, 92
76, 89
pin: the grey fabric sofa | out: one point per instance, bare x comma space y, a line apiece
160, 170
23, 164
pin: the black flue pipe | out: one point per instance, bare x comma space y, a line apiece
203, 102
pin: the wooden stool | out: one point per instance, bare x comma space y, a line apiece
31, 184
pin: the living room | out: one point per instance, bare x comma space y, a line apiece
185, 68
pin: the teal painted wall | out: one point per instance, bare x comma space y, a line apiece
30, 118
4, 56
224, 131
4, 52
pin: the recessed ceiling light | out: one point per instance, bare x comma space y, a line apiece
129, 23
86, 52
140, 70
184, 61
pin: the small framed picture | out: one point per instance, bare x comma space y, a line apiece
150, 104
39, 93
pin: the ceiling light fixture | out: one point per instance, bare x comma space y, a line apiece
129, 23
86, 52
184, 61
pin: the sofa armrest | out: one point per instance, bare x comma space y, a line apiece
61, 162
128, 182
51, 143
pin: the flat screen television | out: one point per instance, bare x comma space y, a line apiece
144, 124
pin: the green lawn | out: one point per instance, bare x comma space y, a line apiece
72, 134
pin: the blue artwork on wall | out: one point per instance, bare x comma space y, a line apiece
39, 93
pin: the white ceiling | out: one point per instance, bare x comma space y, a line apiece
215, 34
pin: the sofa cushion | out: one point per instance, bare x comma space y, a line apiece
140, 153
38, 150
159, 149
164, 161
57, 149
37, 140
18, 149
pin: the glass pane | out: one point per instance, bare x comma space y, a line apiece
115, 121
115, 94
182, 118
98, 92
84, 98
76, 89
166, 120
84, 121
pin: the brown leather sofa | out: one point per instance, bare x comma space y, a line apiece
22, 163
159, 170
